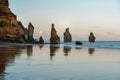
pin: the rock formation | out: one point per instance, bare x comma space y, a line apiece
8, 23
23, 32
92, 37
41, 41
67, 36
30, 33
54, 39
78, 43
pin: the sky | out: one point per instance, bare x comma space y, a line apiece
102, 17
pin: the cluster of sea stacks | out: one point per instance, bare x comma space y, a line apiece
12, 30
55, 39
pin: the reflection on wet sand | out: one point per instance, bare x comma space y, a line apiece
29, 51
41, 46
2, 77
78, 48
66, 50
53, 50
2, 66
91, 51
7, 56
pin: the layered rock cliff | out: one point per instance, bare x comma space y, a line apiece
8, 23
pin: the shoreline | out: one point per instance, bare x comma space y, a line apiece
97, 44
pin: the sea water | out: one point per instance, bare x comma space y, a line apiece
97, 61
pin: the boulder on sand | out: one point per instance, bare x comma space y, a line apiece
78, 43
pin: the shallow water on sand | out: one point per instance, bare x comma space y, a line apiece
58, 62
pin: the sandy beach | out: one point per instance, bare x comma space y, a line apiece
58, 62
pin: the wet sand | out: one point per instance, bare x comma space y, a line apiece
58, 62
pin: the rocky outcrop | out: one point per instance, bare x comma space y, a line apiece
78, 43
41, 41
67, 36
23, 32
91, 38
54, 39
8, 23
30, 33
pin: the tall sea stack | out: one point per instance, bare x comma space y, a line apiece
67, 36
91, 38
30, 33
8, 23
54, 39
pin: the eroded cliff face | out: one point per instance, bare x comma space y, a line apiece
8, 22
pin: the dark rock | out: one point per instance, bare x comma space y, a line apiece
54, 39
41, 41
67, 36
30, 33
92, 37
78, 43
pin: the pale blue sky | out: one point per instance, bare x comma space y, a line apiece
82, 16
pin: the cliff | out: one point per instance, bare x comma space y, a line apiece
9, 30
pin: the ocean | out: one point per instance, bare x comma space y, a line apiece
86, 44
67, 61
103, 44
